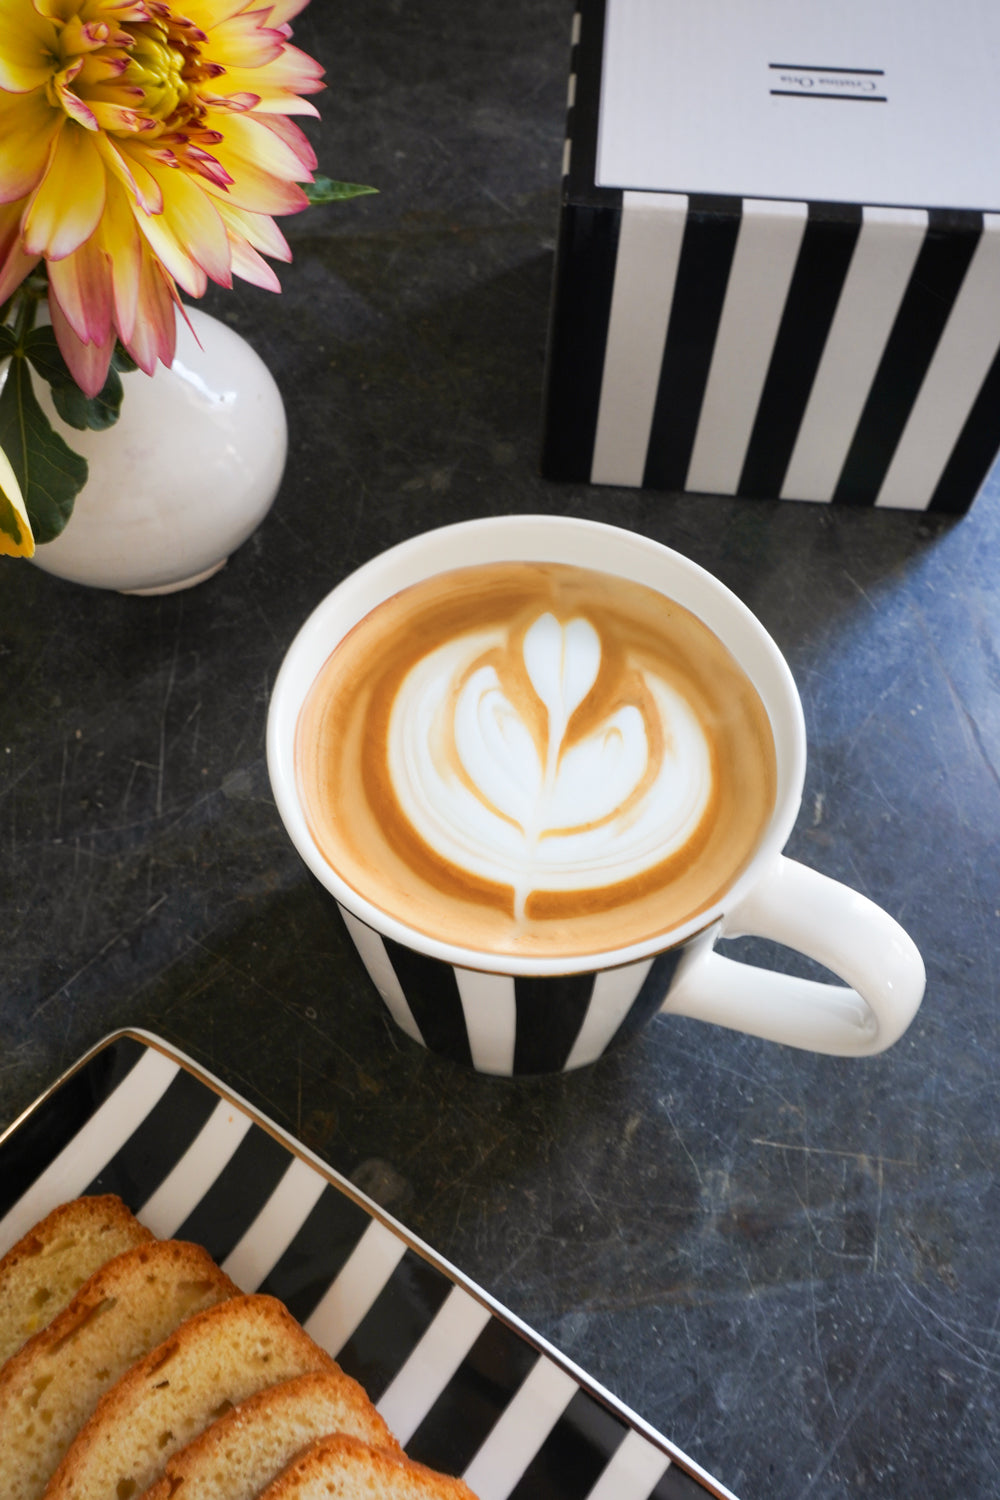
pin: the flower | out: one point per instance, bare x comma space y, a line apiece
145, 146
16, 539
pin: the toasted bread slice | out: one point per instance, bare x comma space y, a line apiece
45, 1269
342, 1468
212, 1362
244, 1450
52, 1385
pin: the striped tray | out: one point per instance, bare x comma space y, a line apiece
464, 1385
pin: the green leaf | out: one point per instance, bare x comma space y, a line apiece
50, 474
80, 411
325, 190
122, 361
8, 341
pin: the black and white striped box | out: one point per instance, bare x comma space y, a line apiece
778, 267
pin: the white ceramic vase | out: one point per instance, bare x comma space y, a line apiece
189, 470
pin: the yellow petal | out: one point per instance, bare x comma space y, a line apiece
16, 539
68, 205
122, 243
28, 47
28, 124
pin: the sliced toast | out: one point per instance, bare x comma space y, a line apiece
45, 1269
342, 1468
215, 1360
50, 1387
244, 1450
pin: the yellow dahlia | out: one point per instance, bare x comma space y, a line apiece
144, 147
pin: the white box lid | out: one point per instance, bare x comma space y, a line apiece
892, 102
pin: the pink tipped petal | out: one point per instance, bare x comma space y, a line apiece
14, 264
252, 267
257, 229
155, 335
283, 11
88, 363
244, 41
81, 283
296, 141
194, 226
68, 204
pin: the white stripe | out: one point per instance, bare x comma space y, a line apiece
633, 1471
961, 362
520, 1431
490, 1011
383, 975
197, 1170
649, 247
575, 33
877, 278
364, 1274
433, 1363
274, 1228
613, 994
93, 1146
766, 249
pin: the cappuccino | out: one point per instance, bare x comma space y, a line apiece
535, 759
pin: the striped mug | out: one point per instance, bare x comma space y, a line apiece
505, 1011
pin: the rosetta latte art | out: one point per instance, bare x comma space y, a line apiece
534, 758
527, 807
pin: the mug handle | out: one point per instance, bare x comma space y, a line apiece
830, 923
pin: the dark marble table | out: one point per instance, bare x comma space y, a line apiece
787, 1263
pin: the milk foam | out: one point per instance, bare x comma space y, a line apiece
546, 809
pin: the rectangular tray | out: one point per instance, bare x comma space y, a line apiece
465, 1386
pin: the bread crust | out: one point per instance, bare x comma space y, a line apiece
50, 1387
342, 1468
212, 1361
47, 1267
244, 1450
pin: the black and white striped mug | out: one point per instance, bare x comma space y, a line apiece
515, 1012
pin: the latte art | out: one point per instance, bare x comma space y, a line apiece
511, 795
535, 758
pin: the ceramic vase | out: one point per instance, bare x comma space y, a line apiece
186, 474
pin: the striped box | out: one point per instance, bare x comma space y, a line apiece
770, 342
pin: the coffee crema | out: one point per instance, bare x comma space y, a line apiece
536, 759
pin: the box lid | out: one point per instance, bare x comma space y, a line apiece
891, 102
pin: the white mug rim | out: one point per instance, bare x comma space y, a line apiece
538, 538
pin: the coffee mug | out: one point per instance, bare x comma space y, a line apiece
692, 858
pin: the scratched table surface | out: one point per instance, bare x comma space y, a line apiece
786, 1263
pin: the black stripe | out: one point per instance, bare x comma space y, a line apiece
678, 1484
650, 997
573, 1456
395, 1323
550, 1013
462, 1417
431, 991
973, 454
237, 1195
702, 275
158, 1142
317, 1253
578, 332
937, 277
587, 62
50, 1127
824, 257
